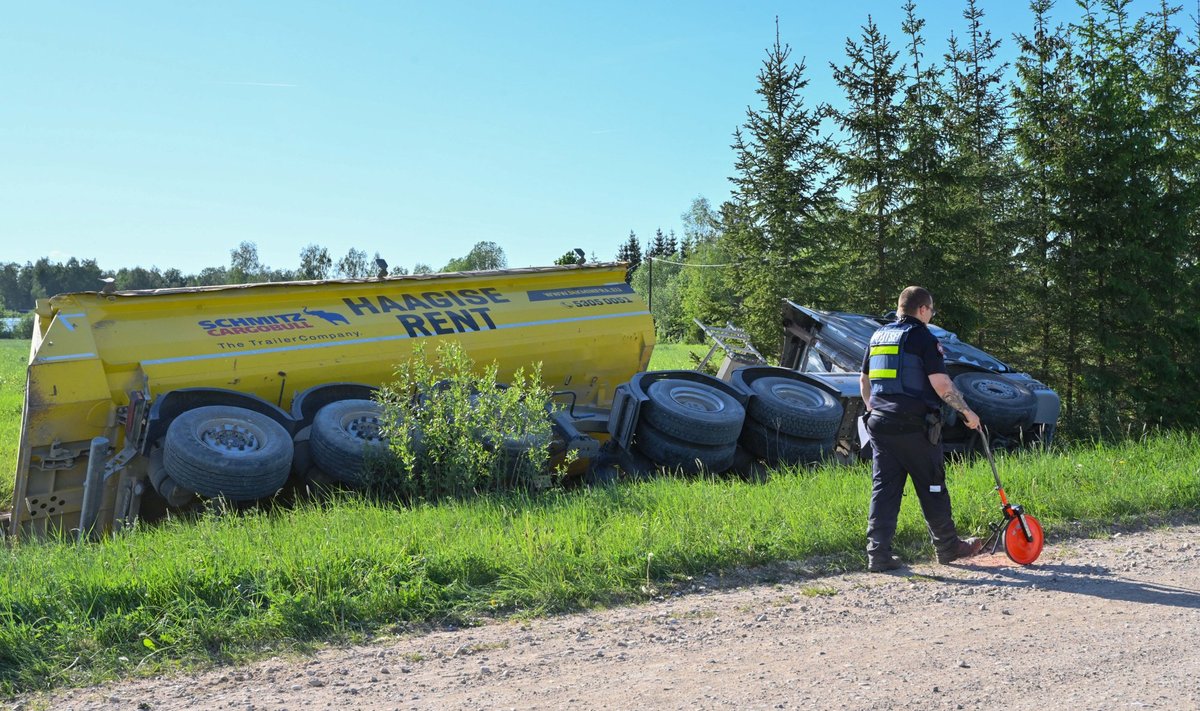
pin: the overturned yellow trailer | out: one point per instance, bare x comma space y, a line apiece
110, 372
140, 401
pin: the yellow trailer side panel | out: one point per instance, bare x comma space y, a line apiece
583, 323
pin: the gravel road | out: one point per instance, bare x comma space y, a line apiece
1102, 623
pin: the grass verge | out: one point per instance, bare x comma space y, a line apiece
677, 356
14, 355
229, 586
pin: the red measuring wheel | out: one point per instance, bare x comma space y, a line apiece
1021, 549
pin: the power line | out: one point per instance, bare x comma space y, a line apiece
685, 264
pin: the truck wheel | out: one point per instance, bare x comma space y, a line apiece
1003, 405
667, 451
693, 412
233, 452
774, 446
795, 408
174, 494
342, 434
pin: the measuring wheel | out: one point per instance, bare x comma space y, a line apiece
1023, 549
1020, 533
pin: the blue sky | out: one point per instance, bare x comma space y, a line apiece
151, 133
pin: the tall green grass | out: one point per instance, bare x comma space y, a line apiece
677, 356
225, 586
14, 355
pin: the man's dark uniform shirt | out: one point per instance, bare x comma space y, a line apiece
902, 447
922, 343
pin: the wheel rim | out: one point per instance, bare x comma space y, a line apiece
1018, 549
364, 426
995, 389
697, 399
796, 394
231, 437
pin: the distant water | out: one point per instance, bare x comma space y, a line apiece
10, 322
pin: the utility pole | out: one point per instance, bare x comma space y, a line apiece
650, 290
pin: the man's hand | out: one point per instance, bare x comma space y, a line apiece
971, 419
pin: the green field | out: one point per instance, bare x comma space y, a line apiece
677, 356
14, 354
228, 586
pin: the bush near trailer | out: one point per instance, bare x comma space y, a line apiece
454, 431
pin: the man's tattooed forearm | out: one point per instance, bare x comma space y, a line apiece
954, 399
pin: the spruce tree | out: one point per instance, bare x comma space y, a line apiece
1108, 206
782, 187
1042, 132
979, 242
869, 161
630, 252
1168, 362
922, 161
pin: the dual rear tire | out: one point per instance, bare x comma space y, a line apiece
790, 421
689, 426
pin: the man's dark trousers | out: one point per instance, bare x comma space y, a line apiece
902, 449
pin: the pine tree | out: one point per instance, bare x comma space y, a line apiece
1043, 129
782, 188
1167, 387
979, 243
658, 247
870, 165
630, 252
1108, 206
922, 170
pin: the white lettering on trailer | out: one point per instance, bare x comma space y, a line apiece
376, 339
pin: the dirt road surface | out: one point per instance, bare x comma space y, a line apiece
1109, 623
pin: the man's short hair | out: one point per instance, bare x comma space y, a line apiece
912, 299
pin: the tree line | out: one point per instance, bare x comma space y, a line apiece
1049, 205
22, 285
1053, 214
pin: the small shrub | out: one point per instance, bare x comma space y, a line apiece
24, 328
453, 431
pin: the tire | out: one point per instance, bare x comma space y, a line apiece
1003, 405
342, 434
171, 492
693, 412
219, 450
795, 408
667, 451
774, 446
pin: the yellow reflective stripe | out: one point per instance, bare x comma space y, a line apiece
881, 374
885, 350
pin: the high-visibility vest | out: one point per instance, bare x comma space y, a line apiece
892, 370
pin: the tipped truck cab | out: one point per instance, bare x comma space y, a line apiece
828, 346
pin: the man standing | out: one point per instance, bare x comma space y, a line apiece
903, 383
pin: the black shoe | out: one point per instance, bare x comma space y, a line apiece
882, 565
965, 548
